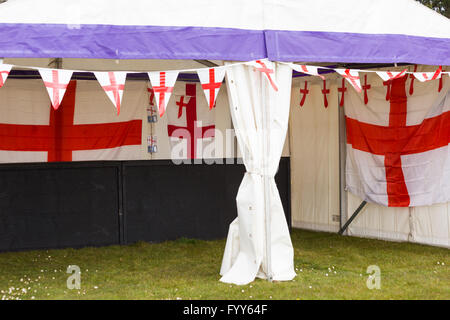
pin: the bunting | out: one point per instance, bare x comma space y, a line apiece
4, 72
352, 77
162, 84
56, 82
311, 70
388, 75
265, 67
211, 80
113, 83
428, 76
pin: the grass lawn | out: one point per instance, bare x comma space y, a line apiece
328, 267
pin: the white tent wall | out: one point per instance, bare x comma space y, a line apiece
314, 138
314, 146
427, 224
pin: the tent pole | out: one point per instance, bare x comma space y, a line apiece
266, 182
357, 211
343, 209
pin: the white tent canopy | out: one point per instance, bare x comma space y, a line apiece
282, 30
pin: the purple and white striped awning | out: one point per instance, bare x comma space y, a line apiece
359, 31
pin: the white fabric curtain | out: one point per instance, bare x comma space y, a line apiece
245, 252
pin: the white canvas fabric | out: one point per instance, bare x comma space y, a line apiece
386, 16
245, 252
314, 144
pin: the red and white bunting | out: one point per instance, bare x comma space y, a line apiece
56, 82
162, 84
211, 80
388, 75
312, 70
113, 83
352, 77
267, 68
427, 76
4, 72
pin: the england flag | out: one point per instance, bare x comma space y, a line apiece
398, 150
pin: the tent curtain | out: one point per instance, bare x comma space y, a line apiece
245, 252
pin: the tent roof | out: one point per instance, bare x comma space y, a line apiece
360, 31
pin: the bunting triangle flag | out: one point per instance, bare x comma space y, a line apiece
4, 72
56, 82
267, 68
162, 84
388, 75
427, 76
211, 80
352, 76
113, 83
311, 70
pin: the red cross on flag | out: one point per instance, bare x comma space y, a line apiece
113, 83
398, 151
162, 84
83, 128
211, 80
352, 77
56, 82
4, 72
311, 70
389, 75
427, 76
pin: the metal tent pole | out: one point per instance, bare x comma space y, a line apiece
343, 208
357, 211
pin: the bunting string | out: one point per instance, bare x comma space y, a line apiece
211, 79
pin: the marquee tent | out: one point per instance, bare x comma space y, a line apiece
172, 33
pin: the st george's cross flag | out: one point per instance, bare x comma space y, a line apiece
84, 127
398, 151
190, 122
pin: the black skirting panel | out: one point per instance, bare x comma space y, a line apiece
58, 205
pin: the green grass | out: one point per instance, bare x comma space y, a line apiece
189, 269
